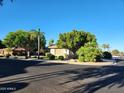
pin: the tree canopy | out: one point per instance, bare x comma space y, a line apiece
51, 42
24, 39
115, 52
75, 39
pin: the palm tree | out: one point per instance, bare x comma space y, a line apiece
106, 47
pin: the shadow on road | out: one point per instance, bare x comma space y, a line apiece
50, 64
107, 76
10, 67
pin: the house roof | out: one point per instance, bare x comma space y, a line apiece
19, 49
52, 46
14, 49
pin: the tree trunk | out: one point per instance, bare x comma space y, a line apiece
28, 55
74, 54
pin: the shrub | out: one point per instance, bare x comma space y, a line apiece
89, 53
34, 57
48, 54
61, 57
41, 58
51, 57
107, 55
98, 58
81, 58
14, 54
17, 53
8, 55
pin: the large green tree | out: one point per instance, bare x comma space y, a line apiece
75, 39
24, 39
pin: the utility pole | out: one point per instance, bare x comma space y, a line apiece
38, 43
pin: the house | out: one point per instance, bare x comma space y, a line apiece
13, 51
19, 51
60, 51
1, 52
5, 51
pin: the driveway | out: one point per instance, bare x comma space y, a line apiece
20, 76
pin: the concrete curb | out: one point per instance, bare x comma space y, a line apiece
79, 63
73, 62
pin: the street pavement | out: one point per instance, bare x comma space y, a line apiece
27, 76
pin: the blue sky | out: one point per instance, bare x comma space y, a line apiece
104, 18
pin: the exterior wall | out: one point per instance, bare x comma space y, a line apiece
3, 52
60, 52
16, 51
52, 51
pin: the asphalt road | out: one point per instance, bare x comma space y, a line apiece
19, 76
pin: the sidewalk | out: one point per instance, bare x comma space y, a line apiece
80, 63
